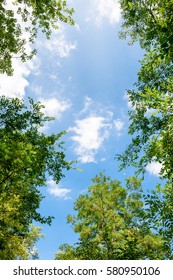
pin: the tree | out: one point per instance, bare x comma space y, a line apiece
151, 119
20, 247
20, 22
159, 214
150, 22
27, 157
111, 224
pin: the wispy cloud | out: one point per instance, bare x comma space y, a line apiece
105, 10
154, 168
57, 191
59, 44
119, 125
88, 103
92, 107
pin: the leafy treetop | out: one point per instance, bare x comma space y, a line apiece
20, 20
27, 157
111, 224
150, 22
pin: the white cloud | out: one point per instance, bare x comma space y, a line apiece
119, 125
58, 43
90, 134
105, 10
154, 168
92, 127
55, 107
14, 86
57, 191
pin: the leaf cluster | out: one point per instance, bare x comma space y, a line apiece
20, 23
111, 224
151, 118
27, 157
150, 22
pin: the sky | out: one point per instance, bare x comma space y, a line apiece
81, 75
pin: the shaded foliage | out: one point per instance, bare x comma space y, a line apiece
151, 118
27, 156
20, 22
150, 22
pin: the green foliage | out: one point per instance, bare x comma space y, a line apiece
21, 246
151, 22
160, 214
20, 23
27, 156
152, 117
111, 224
66, 252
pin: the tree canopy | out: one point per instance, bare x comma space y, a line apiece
151, 118
20, 21
27, 157
111, 224
151, 22
159, 214
20, 247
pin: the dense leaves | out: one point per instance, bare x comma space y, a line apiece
20, 21
151, 22
159, 214
152, 116
27, 156
21, 247
111, 224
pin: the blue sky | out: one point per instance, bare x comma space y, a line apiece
81, 75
